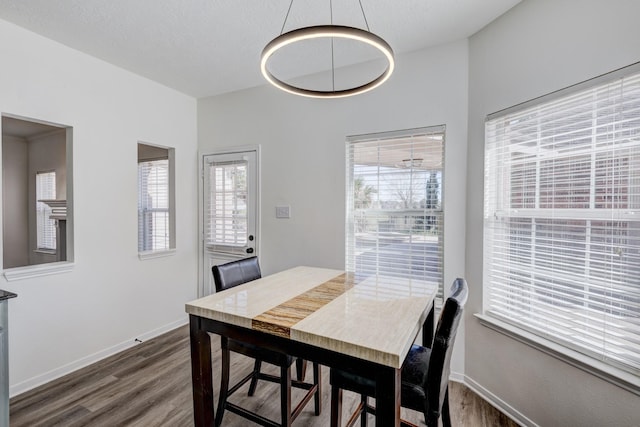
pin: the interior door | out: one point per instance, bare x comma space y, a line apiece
230, 217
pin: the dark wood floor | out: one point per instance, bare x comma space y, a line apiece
150, 385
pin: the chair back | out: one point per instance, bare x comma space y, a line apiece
235, 273
437, 379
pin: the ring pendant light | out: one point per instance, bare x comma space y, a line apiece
327, 31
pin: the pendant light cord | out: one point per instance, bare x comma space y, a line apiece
287, 16
363, 15
333, 67
366, 23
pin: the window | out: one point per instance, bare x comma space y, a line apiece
562, 218
37, 198
156, 226
227, 224
45, 225
394, 204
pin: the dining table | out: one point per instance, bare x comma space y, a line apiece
364, 323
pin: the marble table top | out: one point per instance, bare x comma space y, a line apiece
375, 318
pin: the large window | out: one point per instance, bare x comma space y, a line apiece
394, 204
155, 199
562, 218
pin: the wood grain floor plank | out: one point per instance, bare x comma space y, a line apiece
150, 385
35, 409
138, 377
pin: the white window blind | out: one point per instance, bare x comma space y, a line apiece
45, 226
562, 218
226, 209
153, 205
394, 204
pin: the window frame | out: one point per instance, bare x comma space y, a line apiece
170, 249
622, 376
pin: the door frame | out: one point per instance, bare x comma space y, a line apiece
201, 231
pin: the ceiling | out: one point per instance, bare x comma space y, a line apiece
209, 47
25, 129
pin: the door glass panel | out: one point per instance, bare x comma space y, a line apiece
230, 210
227, 208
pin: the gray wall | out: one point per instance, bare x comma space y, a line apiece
303, 154
15, 224
538, 47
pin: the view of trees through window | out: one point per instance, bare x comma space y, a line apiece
395, 218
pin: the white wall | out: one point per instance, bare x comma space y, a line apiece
60, 322
303, 154
538, 47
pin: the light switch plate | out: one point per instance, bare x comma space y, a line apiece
283, 212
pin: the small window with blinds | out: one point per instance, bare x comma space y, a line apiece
562, 218
45, 225
156, 224
394, 204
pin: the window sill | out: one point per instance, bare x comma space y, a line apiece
30, 271
45, 251
155, 254
619, 377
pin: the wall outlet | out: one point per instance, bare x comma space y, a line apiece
283, 212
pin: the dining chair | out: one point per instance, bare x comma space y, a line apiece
425, 372
227, 276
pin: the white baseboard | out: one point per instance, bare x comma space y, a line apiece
36, 381
500, 404
456, 377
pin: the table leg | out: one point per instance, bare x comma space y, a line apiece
428, 327
201, 380
388, 397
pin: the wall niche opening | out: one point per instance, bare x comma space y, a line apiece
37, 211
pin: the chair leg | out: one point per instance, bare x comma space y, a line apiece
285, 396
224, 380
317, 380
431, 417
446, 416
363, 415
301, 369
254, 379
336, 406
